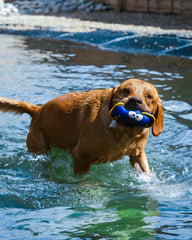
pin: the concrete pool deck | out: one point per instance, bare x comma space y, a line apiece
124, 32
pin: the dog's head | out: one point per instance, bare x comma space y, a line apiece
140, 95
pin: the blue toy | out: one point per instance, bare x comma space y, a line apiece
130, 117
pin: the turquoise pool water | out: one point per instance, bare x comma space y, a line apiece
40, 198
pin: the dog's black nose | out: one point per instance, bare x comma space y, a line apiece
134, 103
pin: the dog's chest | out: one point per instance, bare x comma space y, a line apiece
128, 144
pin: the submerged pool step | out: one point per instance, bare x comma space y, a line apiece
130, 42
119, 41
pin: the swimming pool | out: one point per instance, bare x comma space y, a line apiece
40, 198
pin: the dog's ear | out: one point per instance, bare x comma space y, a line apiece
159, 116
112, 97
114, 90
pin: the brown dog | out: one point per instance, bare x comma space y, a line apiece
79, 123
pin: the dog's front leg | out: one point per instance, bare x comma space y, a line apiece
140, 163
82, 162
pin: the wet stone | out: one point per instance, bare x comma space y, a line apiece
47, 6
7, 8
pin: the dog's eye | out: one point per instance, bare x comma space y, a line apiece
126, 91
149, 96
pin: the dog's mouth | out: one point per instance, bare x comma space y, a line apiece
134, 108
127, 116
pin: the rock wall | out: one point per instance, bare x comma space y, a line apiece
154, 6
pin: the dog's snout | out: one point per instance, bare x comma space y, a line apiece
135, 103
135, 100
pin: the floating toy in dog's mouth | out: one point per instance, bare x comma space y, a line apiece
130, 117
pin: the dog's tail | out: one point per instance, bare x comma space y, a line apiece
17, 107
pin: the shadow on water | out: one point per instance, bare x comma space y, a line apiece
41, 198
